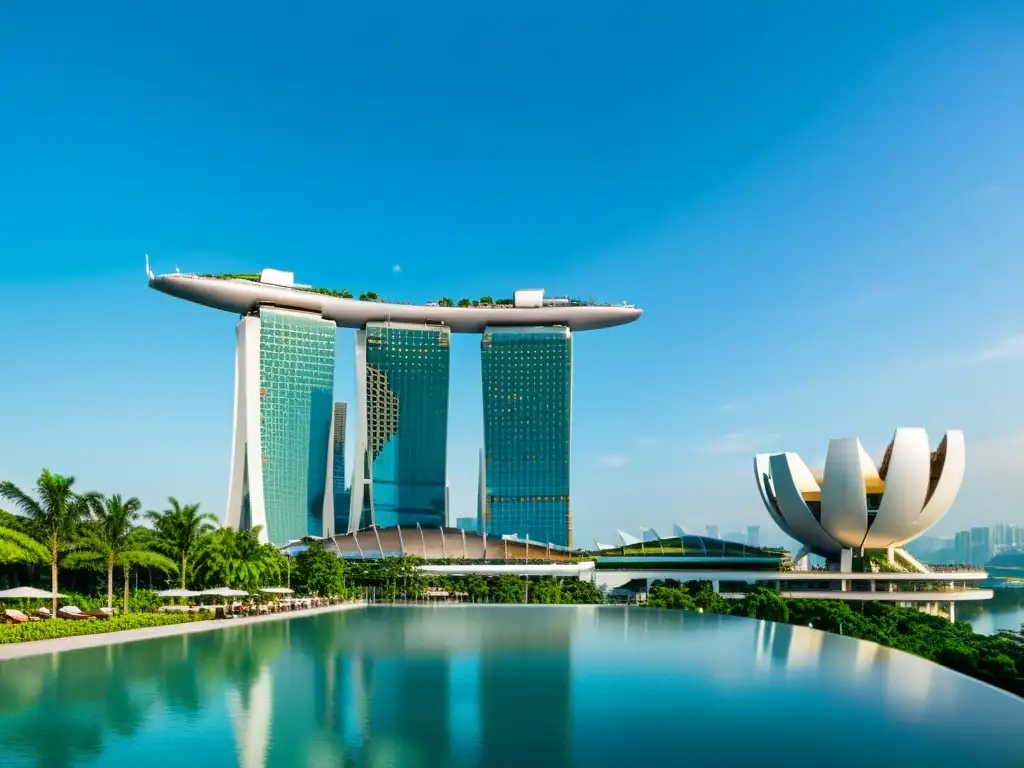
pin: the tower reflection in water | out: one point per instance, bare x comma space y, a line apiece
410, 688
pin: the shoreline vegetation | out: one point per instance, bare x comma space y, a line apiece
994, 659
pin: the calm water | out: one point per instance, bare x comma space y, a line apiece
501, 686
1004, 611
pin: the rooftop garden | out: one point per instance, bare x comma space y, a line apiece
444, 301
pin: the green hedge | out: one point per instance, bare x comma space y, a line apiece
50, 629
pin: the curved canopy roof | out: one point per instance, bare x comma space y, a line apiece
241, 296
436, 544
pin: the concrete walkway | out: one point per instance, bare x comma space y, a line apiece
57, 645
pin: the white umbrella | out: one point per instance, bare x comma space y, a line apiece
278, 591
178, 593
225, 592
23, 592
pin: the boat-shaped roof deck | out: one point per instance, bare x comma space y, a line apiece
242, 295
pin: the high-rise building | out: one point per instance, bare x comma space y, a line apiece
284, 390
753, 535
339, 481
401, 425
962, 547
981, 545
466, 523
712, 531
1006, 536
527, 393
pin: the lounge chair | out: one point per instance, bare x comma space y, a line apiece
102, 613
73, 612
43, 613
17, 617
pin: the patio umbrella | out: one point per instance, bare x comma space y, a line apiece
278, 591
23, 592
225, 592
178, 593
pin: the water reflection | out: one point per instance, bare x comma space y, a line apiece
1004, 611
495, 686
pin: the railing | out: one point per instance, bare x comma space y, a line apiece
955, 568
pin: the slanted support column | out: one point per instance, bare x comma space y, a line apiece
717, 586
890, 554
952, 611
800, 559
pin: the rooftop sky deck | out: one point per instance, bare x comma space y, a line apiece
245, 293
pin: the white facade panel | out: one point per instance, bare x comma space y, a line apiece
906, 486
844, 510
794, 510
948, 485
359, 479
277, 277
532, 298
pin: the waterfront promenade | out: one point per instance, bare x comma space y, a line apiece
40, 647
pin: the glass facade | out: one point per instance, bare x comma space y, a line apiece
527, 391
406, 395
296, 397
341, 500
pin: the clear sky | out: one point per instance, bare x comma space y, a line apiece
819, 206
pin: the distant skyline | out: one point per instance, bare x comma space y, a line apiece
822, 226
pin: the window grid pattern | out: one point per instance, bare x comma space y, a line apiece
527, 390
296, 399
407, 380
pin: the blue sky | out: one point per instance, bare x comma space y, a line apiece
818, 205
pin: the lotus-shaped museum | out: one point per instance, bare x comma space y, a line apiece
853, 505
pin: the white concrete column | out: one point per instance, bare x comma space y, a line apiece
846, 561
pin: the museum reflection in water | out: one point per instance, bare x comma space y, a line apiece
456, 686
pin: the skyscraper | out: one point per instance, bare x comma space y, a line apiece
284, 389
527, 393
401, 425
753, 535
962, 547
712, 531
981, 545
339, 482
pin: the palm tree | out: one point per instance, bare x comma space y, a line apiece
18, 547
180, 528
54, 514
138, 555
110, 540
230, 558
